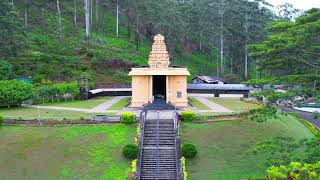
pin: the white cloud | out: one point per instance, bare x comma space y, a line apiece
299, 4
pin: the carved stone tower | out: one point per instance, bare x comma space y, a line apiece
159, 57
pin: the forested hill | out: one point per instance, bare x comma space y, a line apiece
60, 40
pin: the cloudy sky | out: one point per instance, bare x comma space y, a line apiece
299, 4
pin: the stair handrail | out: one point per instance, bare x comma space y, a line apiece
140, 143
177, 146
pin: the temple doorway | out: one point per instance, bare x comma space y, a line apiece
159, 88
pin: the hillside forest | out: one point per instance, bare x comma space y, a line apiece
239, 40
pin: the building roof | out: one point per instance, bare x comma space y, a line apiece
219, 87
163, 71
209, 79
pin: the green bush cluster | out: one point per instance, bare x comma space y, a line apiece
1, 120
295, 170
283, 150
128, 117
58, 90
188, 150
188, 116
130, 151
14, 92
263, 114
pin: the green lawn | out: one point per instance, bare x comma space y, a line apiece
87, 104
32, 113
120, 104
199, 105
224, 147
78, 152
234, 104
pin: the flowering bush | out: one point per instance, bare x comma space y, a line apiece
185, 174
128, 117
188, 116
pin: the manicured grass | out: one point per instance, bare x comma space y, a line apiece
234, 104
199, 105
78, 152
224, 147
120, 104
87, 104
32, 113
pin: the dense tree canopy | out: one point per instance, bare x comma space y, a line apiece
12, 36
291, 47
5, 70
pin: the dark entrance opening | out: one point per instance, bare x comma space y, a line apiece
159, 88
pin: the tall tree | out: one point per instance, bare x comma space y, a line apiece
87, 19
221, 13
117, 16
97, 16
26, 15
291, 47
75, 2
59, 20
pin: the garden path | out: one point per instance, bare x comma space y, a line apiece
56, 108
101, 108
104, 106
215, 107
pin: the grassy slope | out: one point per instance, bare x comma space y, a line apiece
64, 152
49, 58
234, 104
224, 147
32, 113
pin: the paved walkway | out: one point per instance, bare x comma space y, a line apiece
56, 108
305, 115
101, 108
215, 107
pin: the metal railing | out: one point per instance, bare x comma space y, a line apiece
158, 150
140, 144
179, 169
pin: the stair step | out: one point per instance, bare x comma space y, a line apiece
159, 142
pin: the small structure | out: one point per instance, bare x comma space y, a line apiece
207, 80
159, 82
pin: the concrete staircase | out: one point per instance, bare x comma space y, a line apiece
159, 155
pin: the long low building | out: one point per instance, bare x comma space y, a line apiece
218, 89
215, 89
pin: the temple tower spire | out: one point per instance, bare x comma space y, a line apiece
159, 57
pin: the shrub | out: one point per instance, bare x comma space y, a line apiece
185, 174
128, 117
14, 92
81, 117
1, 120
188, 116
130, 151
316, 115
134, 166
188, 150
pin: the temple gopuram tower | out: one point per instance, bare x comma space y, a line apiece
159, 82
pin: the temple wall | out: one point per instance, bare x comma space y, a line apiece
177, 90
141, 90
